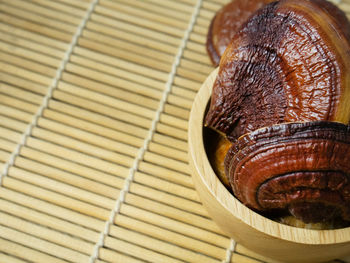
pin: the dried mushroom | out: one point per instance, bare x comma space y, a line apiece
290, 62
282, 97
226, 24
302, 167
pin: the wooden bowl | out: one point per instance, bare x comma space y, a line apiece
256, 232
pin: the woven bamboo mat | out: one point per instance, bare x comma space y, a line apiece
94, 102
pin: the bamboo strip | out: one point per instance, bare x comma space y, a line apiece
36, 28
170, 141
166, 162
7, 146
119, 82
211, 6
13, 124
55, 198
79, 146
49, 221
23, 84
195, 66
199, 38
179, 101
53, 236
42, 245
124, 54
46, 12
166, 186
129, 66
196, 56
188, 2
78, 157
97, 118
137, 251
176, 226
159, 9
102, 109
4, 156
50, 208
166, 174
15, 113
172, 131
8, 258
19, 104
23, 73
159, 246
244, 251
168, 152
26, 253
98, 25
221, 2
345, 7
190, 74
113, 256
173, 121
73, 11
197, 48
2, 165
67, 178
169, 199
34, 37
46, 183
71, 167
138, 78
173, 5
93, 128
27, 64
188, 94
80, 4
176, 111
140, 22
173, 213
148, 14
10, 134
39, 19
206, 13
87, 137
203, 22
187, 83
35, 46
181, 240
242, 258
20, 93
108, 90
26, 53
137, 30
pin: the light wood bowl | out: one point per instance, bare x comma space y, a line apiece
258, 233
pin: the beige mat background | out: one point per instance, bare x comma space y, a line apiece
94, 102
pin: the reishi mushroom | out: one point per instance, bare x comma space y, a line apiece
282, 97
226, 24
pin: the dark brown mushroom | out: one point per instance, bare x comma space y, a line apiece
226, 23
301, 167
290, 62
282, 97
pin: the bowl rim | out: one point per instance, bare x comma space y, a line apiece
228, 201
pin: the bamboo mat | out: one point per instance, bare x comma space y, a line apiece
94, 102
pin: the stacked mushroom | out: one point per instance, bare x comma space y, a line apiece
282, 101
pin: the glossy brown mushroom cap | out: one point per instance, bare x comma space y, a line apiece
290, 62
226, 24
301, 167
